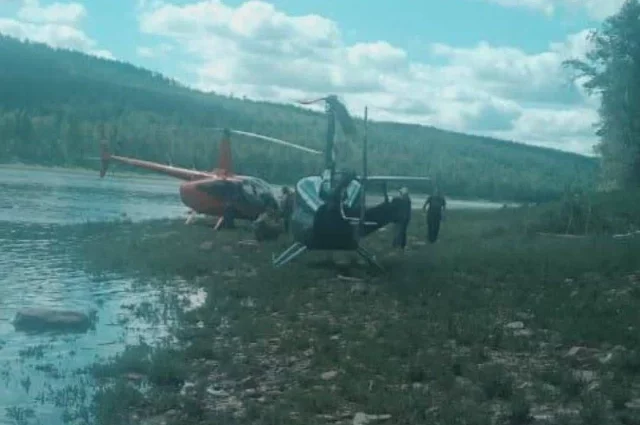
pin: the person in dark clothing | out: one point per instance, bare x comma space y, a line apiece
437, 204
286, 207
228, 221
229, 213
402, 209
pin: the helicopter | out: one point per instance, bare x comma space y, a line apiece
330, 211
219, 192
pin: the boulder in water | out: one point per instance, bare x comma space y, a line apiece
45, 319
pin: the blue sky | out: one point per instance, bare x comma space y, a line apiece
478, 66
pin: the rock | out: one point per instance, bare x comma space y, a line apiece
217, 393
361, 418
524, 315
248, 242
514, 325
187, 387
607, 358
206, 246
132, 376
576, 352
45, 319
251, 392
248, 302
585, 375
523, 332
326, 376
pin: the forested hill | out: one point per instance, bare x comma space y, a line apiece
55, 104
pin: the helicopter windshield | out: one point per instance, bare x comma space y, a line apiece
255, 192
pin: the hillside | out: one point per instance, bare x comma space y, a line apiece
54, 105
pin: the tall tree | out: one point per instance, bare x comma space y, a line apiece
612, 70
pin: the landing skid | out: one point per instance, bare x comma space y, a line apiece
369, 258
289, 254
297, 249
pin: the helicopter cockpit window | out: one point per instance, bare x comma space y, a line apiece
262, 189
250, 191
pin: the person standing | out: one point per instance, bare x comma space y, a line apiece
402, 208
437, 204
286, 206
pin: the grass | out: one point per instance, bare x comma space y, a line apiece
490, 325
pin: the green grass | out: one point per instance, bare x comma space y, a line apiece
490, 325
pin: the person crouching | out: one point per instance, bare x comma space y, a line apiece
268, 225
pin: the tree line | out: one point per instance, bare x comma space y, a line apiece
612, 70
56, 105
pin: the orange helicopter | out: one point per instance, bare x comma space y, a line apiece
219, 192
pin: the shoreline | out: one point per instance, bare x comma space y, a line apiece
162, 178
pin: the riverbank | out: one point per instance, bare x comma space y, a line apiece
489, 325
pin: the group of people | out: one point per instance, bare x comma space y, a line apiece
277, 219
434, 206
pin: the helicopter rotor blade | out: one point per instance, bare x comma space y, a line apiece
273, 140
309, 102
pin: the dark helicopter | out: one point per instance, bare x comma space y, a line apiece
330, 211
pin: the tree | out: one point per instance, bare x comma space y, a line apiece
612, 71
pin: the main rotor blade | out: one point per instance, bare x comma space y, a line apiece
274, 140
309, 102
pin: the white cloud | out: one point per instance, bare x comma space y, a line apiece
596, 9
68, 13
258, 51
56, 24
159, 50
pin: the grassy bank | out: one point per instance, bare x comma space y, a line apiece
591, 213
491, 325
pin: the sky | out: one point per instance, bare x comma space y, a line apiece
486, 67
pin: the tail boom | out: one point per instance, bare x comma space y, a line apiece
179, 173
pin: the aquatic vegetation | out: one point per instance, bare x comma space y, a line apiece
492, 324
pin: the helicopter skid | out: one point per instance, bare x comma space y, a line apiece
289, 254
297, 248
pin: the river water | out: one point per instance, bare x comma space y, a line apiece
37, 271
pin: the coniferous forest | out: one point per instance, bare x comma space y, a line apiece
56, 105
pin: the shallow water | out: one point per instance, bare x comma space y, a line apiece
59, 197
38, 268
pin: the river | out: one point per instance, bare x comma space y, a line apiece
36, 270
